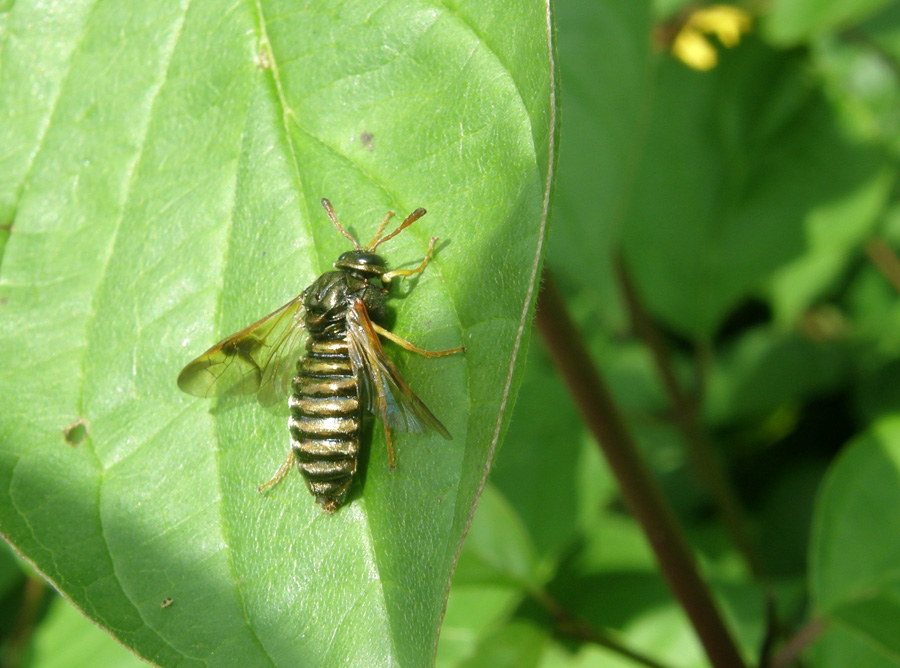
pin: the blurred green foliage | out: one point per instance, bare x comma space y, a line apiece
745, 200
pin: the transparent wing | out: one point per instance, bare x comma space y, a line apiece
260, 359
384, 390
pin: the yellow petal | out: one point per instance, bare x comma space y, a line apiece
694, 50
726, 22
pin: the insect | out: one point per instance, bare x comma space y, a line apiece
343, 371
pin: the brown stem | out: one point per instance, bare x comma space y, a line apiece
795, 646
885, 260
569, 625
638, 487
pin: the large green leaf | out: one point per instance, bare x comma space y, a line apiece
160, 169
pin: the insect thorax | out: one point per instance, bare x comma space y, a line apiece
326, 302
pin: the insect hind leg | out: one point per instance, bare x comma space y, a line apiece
280, 474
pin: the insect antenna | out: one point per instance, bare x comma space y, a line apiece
374, 242
410, 219
331, 214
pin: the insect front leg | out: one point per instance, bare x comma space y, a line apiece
403, 273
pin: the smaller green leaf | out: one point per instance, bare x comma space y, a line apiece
498, 549
517, 645
613, 583
474, 611
547, 448
856, 538
840, 647
765, 370
65, 638
834, 231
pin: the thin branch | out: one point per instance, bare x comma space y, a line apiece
639, 489
573, 627
885, 260
705, 457
792, 649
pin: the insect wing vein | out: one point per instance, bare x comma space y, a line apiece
281, 364
242, 362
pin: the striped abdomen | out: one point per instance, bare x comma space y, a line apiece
324, 422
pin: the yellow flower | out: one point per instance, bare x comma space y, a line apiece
693, 48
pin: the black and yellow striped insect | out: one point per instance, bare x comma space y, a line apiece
343, 371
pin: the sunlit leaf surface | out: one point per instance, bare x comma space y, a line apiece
161, 166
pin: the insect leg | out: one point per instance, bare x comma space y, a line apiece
406, 345
280, 474
388, 276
